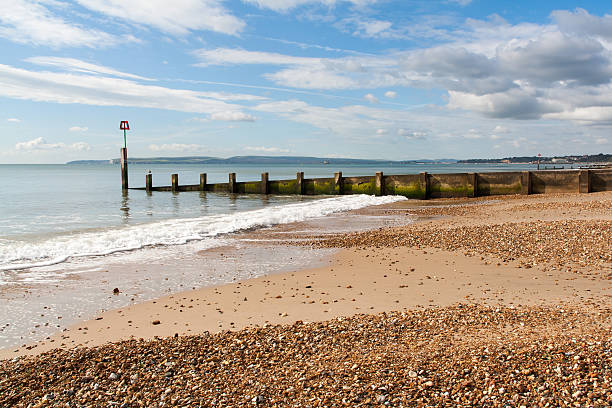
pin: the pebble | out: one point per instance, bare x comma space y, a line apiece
381, 399
461, 353
552, 244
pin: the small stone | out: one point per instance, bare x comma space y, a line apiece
155, 322
116, 291
113, 376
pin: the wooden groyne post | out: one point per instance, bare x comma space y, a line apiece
149, 183
175, 184
380, 185
584, 181
232, 183
124, 169
424, 182
338, 183
203, 182
299, 181
526, 182
265, 185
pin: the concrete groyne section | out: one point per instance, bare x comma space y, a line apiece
415, 186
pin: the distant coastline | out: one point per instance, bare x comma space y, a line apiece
287, 160
572, 159
302, 160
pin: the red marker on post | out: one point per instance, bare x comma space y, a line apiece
124, 125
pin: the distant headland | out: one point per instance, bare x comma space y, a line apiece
307, 160
288, 160
593, 158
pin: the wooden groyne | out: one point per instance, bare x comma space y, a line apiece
416, 186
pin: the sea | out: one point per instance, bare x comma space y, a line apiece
69, 235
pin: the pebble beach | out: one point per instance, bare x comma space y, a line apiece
480, 302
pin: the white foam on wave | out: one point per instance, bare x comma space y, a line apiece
15, 255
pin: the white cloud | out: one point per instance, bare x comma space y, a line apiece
75, 65
178, 17
344, 120
285, 5
233, 116
41, 144
518, 143
306, 78
411, 134
370, 98
514, 103
13, 120
176, 147
78, 129
601, 141
105, 91
500, 129
227, 56
30, 22
263, 149
473, 134
302, 72
38, 143
581, 22
381, 132
354, 121
80, 146
372, 28
391, 94
584, 115
460, 2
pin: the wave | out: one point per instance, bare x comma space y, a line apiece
16, 255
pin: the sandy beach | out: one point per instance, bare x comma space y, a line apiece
503, 301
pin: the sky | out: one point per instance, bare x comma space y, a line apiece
378, 79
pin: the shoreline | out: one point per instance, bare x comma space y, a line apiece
80, 293
359, 280
389, 321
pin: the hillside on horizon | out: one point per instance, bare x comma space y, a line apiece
256, 160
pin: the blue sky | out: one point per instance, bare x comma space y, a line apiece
384, 79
